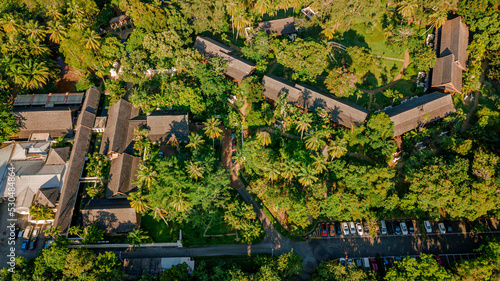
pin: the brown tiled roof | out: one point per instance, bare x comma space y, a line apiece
237, 68
122, 174
162, 124
47, 196
112, 215
447, 74
73, 173
341, 112
58, 156
454, 40
279, 26
274, 87
115, 135
57, 121
420, 111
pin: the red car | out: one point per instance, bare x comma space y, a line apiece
438, 259
374, 264
324, 231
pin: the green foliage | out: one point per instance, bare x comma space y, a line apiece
116, 90
341, 82
41, 212
361, 60
241, 216
308, 59
258, 49
426, 268
333, 271
424, 59
176, 273
98, 166
8, 122
482, 18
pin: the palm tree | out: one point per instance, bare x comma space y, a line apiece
57, 31
180, 202
37, 49
315, 141
319, 163
272, 172
173, 141
75, 230
407, 9
304, 123
239, 158
241, 21
146, 176
438, 18
92, 40
195, 141
138, 202
53, 231
35, 74
137, 237
231, 8
307, 176
289, 169
212, 129
337, 149
264, 138
161, 213
79, 23
53, 13
262, 6
34, 31
195, 170
10, 24
329, 29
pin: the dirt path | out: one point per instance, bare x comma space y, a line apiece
387, 58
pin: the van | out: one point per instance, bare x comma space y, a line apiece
428, 227
366, 264
383, 228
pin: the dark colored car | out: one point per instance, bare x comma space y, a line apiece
337, 227
233, 134
24, 246
332, 229
373, 262
411, 227
33, 243
16, 230
386, 263
389, 228
448, 227
438, 259
324, 231
397, 229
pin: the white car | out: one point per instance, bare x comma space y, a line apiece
404, 229
383, 228
352, 227
442, 228
359, 228
345, 228
428, 227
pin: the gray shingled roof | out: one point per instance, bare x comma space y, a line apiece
420, 111
274, 87
454, 40
47, 197
72, 175
58, 156
115, 135
122, 174
237, 68
341, 112
57, 121
162, 124
112, 215
279, 26
447, 74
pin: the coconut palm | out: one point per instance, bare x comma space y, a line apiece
53, 13
212, 129
79, 23
315, 141
241, 21
438, 18
264, 138
161, 213
35, 74
173, 141
195, 141
272, 172
231, 8
195, 170
179, 201
10, 24
37, 49
303, 124
307, 176
93, 40
408, 9
262, 6
138, 202
337, 149
239, 158
34, 31
146, 176
57, 31
319, 163
53, 231
137, 237
289, 169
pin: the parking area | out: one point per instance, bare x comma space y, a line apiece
332, 230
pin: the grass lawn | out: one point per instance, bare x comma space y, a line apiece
218, 226
158, 230
406, 87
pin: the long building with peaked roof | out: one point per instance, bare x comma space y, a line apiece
274, 87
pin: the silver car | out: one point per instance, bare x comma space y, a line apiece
345, 228
359, 228
352, 227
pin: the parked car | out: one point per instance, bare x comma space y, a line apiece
358, 263
33, 242
404, 229
20, 234
359, 228
160, 154
332, 229
438, 259
383, 228
397, 228
390, 230
374, 264
16, 230
441, 227
367, 231
27, 232
386, 263
25, 244
338, 228
411, 228
345, 228
324, 231
36, 232
342, 262
449, 229
366, 263
352, 227
427, 226
233, 134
